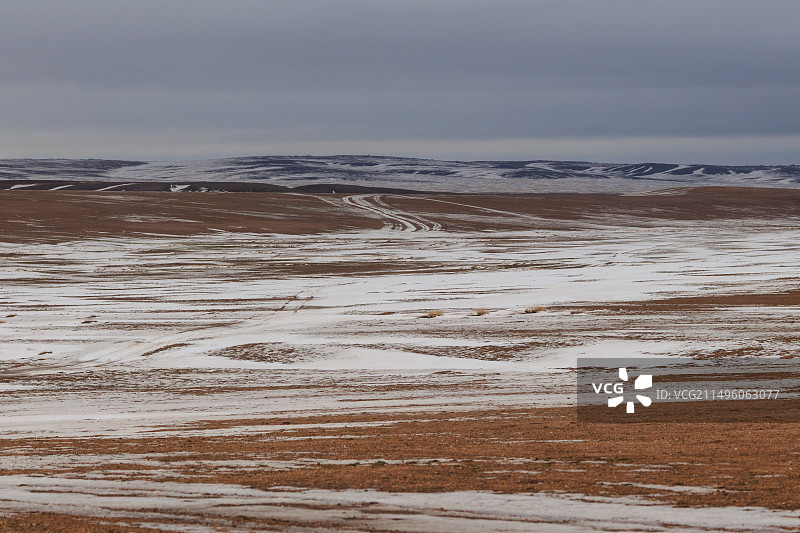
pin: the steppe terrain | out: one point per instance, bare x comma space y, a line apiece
384, 362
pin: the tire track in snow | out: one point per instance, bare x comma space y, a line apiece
134, 350
400, 220
477, 207
293, 304
534, 218
428, 225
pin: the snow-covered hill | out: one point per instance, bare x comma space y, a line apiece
400, 173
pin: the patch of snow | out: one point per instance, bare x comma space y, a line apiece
467, 511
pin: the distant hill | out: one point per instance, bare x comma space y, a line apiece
349, 173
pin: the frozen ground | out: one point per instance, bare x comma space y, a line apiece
166, 302
144, 336
373, 510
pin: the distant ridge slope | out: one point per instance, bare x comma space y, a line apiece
377, 172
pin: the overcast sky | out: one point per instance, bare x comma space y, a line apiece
606, 80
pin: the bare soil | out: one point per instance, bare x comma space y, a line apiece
507, 451
62, 215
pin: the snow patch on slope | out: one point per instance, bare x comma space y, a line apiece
409, 173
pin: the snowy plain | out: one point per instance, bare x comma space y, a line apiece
117, 337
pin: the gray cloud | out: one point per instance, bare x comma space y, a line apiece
285, 73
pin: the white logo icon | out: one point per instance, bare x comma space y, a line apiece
645, 381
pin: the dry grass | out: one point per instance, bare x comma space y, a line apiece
164, 348
536, 309
481, 311
433, 313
